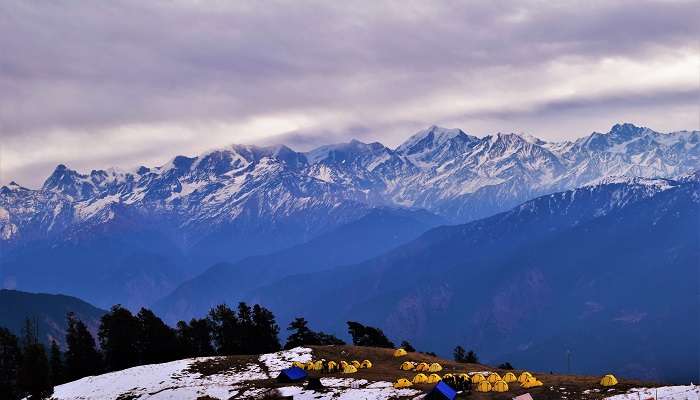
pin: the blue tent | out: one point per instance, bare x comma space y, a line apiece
293, 374
441, 391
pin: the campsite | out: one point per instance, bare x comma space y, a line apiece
387, 368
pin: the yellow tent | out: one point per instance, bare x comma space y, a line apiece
349, 369
400, 353
366, 364
402, 383
493, 378
408, 366
524, 377
318, 365
332, 365
476, 378
530, 383
434, 378
464, 376
499, 386
447, 376
355, 363
309, 365
608, 380
509, 377
298, 364
423, 367
420, 378
435, 367
343, 363
483, 386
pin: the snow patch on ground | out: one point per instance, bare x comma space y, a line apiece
688, 392
175, 380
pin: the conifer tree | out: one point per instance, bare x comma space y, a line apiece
9, 360
225, 330
81, 357
195, 338
301, 334
264, 332
459, 354
157, 342
407, 346
56, 364
368, 336
33, 375
118, 335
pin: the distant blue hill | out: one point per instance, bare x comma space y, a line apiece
48, 310
608, 272
375, 233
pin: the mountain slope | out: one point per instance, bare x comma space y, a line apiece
369, 236
617, 259
160, 226
49, 310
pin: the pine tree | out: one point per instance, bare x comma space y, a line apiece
265, 331
56, 364
195, 338
459, 354
81, 357
33, 375
506, 365
118, 335
9, 360
157, 342
471, 357
368, 336
407, 346
226, 332
302, 334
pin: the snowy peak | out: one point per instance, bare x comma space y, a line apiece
433, 137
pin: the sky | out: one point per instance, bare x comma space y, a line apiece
98, 84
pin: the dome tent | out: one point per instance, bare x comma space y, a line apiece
422, 367
293, 374
441, 391
531, 383
408, 366
509, 377
524, 376
366, 364
434, 378
435, 367
493, 378
402, 383
608, 380
400, 352
499, 386
420, 378
476, 378
483, 386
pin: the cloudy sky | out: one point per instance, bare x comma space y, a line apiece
95, 84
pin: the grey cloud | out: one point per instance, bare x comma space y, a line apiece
89, 67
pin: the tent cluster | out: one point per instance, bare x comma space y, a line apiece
420, 367
333, 366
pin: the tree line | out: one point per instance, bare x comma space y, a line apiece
124, 340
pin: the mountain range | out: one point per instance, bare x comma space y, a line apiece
111, 235
606, 272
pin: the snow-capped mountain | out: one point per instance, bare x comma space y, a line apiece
152, 227
446, 171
